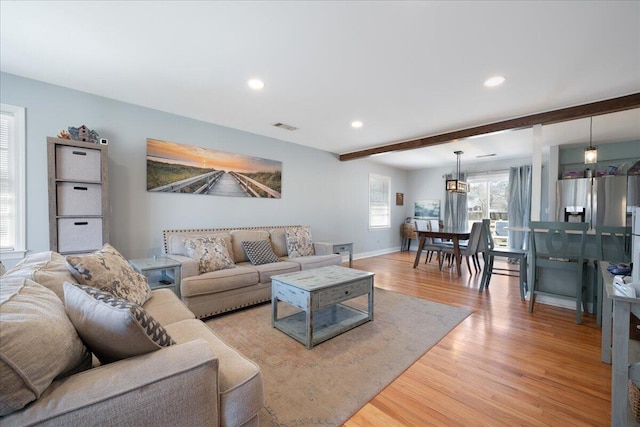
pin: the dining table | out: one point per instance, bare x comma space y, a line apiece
453, 234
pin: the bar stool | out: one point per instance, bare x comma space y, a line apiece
551, 247
491, 251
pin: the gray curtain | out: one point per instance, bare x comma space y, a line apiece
519, 207
455, 207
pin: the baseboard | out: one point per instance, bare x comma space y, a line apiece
370, 254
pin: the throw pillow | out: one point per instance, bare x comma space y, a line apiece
299, 241
46, 268
211, 252
107, 270
260, 252
113, 328
38, 343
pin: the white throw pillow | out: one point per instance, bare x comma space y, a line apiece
112, 327
38, 343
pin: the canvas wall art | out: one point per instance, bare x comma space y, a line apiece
427, 209
179, 168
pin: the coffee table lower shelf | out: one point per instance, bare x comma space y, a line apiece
327, 323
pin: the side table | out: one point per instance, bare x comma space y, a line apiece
146, 266
338, 248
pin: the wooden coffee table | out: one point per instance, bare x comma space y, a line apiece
318, 293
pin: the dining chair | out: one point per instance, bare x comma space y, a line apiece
430, 247
470, 250
613, 244
559, 246
491, 251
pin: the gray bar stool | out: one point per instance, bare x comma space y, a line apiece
551, 247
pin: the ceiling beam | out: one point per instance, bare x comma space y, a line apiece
613, 105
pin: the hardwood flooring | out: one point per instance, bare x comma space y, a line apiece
502, 366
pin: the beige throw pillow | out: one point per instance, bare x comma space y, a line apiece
112, 327
46, 268
108, 271
38, 343
211, 253
299, 241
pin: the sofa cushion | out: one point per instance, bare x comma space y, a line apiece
37, 342
316, 261
46, 268
106, 269
112, 327
299, 241
239, 380
279, 241
265, 271
175, 242
166, 307
219, 281
260, 252
210, 251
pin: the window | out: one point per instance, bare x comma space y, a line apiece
487, 198
379, 201
12, 181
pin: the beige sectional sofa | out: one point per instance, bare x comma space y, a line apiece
214, 292
198, 380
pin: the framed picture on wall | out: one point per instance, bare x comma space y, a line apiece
179, 168
399, 199
427, 209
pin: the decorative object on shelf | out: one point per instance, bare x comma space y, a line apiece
399, 199
81, 133
179, 168
455, 185
591, 153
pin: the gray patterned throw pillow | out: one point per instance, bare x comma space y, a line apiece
260, 252
211, 253
108, 271
299, 241
113, 328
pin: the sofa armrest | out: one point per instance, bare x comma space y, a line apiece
177, 385
188, 267
323, 248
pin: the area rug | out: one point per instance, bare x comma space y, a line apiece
329, 383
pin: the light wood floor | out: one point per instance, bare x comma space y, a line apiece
502, 366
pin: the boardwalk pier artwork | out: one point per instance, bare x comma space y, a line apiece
179, 168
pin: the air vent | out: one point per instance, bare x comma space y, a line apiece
285, 126
486, 155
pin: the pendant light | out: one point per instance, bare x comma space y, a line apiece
591, 153
455, 185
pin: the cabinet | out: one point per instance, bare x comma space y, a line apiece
408, 232
78, 195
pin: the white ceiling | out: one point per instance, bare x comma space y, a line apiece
405, 69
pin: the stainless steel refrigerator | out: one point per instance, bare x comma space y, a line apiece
598, 201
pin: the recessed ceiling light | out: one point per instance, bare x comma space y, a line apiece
255, 84
494, 81
356, 124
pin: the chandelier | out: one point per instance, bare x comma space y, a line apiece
455, 185
591, 153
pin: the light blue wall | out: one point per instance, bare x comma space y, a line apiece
428, 184
317, 189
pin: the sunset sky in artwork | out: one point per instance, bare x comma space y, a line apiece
171, 152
